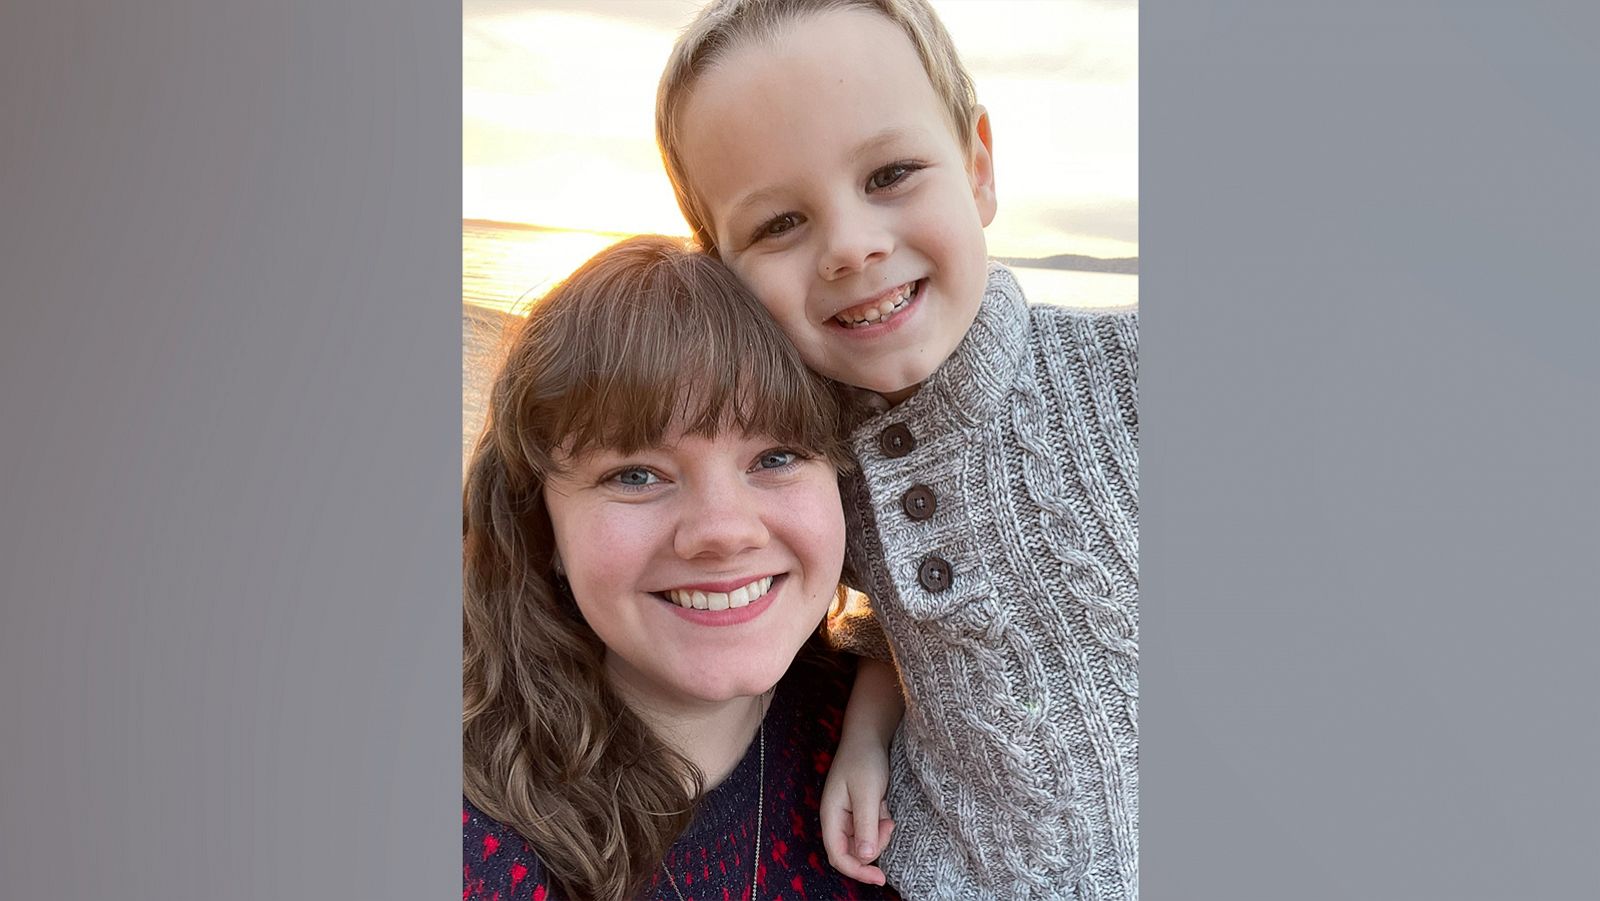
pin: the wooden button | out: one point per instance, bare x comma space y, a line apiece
896, 441
935, 575
919, 503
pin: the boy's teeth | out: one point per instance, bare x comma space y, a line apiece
716, 600
856, 317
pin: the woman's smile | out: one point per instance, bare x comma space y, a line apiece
712, 597
715, 608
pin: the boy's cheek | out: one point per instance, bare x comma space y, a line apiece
779, 291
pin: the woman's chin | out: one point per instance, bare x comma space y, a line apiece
733, 686
736, 691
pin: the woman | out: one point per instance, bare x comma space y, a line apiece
653, 533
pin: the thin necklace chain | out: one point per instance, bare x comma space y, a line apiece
761, 797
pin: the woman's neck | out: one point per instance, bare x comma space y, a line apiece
713, 735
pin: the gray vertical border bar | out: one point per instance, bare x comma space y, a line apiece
229, 452
1371, 512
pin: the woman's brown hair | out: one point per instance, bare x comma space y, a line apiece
643, 339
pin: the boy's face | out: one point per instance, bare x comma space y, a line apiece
837, 190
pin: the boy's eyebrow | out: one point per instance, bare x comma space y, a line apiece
759, 198
894, 134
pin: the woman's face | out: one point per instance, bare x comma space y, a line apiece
703, 564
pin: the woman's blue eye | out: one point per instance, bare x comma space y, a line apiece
777, 459
637, 477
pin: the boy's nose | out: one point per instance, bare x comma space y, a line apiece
853, 244
719, 522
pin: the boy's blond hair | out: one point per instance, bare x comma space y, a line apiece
724, 25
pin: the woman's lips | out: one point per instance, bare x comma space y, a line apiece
735, 597
728, 616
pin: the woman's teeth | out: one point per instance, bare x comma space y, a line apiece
867, 314
716, 600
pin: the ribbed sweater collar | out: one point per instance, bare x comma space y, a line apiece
969, 387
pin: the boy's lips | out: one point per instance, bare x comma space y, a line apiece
877, 308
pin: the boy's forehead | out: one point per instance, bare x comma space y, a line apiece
825, 90
826, 54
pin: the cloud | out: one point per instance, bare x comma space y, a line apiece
1116, 220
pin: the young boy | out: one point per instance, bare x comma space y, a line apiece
834, 156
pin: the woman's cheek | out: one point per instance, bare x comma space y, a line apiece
817, 514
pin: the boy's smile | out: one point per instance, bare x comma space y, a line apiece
837, 190
879, 309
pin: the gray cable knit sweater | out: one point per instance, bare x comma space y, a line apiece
994, 523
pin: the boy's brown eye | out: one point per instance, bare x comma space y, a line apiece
887, 177
779, 224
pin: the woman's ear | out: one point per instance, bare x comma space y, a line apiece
980, 165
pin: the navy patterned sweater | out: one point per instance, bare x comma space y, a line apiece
711, 860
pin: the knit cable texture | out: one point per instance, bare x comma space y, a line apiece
1015, 771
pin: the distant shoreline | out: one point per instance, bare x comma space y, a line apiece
1073, 262
529, 227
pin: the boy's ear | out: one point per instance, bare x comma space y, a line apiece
980, 168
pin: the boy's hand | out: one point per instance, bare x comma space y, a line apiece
855, 816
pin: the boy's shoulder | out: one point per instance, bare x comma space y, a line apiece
1058, 316
1004, 287
1108, 333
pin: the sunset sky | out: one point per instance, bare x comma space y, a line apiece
559, 100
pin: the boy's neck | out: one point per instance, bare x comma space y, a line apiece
895, 397
880, 403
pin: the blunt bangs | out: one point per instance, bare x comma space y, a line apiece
648, 339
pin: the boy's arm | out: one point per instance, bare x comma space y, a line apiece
855, 815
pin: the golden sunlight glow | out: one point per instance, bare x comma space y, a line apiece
559, 103
558, 115
558, 132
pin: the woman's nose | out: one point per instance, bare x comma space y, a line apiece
720, 520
